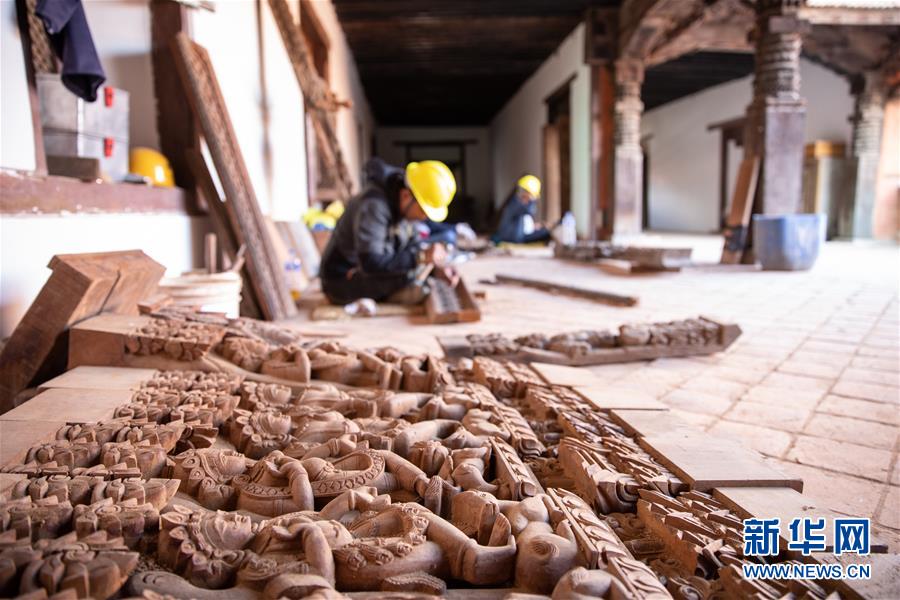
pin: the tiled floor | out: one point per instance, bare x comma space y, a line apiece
812, 383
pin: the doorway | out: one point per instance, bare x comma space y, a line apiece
557, 155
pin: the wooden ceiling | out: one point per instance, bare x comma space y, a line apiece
451, 62
692, 73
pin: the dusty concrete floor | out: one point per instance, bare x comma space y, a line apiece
812, 384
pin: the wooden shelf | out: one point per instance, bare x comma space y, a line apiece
25, 193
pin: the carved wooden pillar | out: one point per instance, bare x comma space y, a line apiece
865, 150
629, 158
777, 114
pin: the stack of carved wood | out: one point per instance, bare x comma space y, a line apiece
639, 258
202, 483
591, 347
176, 340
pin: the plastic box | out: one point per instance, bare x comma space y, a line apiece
788, 242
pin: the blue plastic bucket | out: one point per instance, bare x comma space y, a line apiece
788, 242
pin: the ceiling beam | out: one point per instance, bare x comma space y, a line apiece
827, 15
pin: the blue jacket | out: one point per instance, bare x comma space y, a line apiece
512, 219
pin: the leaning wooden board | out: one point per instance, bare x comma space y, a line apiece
80, 286
247, 222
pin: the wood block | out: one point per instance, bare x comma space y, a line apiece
447, 304
455, 346
101, 378
79, 167
80, 286
648, 422
884, 582
70, 405
705, 462
100, 341
17, 437
608, 398
565, 375
782, 503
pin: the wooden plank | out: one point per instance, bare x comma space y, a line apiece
455, 346
608, 398
738, 222
70, 405
642, 423
101, 378
552, 287
785, 504
16, 438
565, 375
202, 88
884, 582
22, 193
80, 286
705, 462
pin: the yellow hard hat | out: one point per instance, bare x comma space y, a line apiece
152, 164
433, 185
335, 209
530, 184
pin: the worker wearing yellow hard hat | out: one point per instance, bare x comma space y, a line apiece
517, 223
371, 253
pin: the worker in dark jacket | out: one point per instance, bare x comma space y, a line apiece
517, 217
369, 254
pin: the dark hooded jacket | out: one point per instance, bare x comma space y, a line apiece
367, 237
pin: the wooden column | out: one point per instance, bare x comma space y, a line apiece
174, 120
776, 116
602, 148
865, 151
628, 166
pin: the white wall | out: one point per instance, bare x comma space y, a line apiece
479, 184
516, 130
684, 156
16, 137
273, 148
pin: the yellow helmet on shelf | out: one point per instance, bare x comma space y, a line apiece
149, 163
530, 184
433, 185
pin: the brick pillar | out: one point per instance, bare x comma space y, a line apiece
629, 158
865, 152
776, 116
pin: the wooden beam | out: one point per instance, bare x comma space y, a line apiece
22, 193
602, 148
174, 121
553, 287
833, 15
320, 102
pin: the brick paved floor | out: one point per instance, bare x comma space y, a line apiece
812, 383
